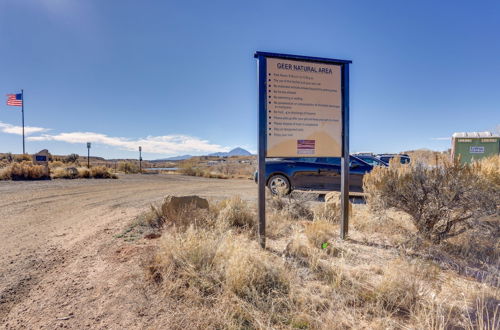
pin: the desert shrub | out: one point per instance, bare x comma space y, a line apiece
72, 158
8, 157
24, 171
428, 157
329, 212
277, 225
319, 232
154, 218
22, 158
187, 258
97, 172
443, 201
56, 164
485, 312
236, 213
489, 169
128, 167
188, 167
4, 163
251, 273
398, 294
64, 173
83, 172
192, 168
102, 172
292, 206
57, 158
227, 273
213, 175
5, 173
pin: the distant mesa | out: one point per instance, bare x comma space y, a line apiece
234, 152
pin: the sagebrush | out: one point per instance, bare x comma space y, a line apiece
443, 201
24, 170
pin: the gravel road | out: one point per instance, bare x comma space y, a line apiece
59, 252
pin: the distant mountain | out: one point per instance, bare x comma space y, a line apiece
183, 157
234, 152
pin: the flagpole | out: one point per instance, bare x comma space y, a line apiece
22, 114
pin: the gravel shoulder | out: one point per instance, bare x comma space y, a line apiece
61, 263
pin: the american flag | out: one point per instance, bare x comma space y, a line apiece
306, 144
306, 147
15, 99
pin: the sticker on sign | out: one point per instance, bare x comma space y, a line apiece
306, 147
476, 150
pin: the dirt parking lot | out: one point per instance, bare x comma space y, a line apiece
61, 263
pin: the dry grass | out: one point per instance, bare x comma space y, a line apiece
212, 274
22, 158
56, 164
292, 206
97, 172
128, 167
192, 168
102, 172
236, 213
428, 157
24, 170
489, 169
230, 169
227, 276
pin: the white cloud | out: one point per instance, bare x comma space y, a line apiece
166, 144
11, 129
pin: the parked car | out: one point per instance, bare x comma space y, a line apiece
403, 158
372, 160
321, 173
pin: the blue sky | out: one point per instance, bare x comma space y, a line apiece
179, 77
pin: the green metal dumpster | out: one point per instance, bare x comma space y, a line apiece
470, 146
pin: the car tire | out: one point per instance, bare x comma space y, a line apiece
277, 183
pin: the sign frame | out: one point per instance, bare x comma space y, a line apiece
263, 131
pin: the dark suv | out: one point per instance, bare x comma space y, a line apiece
372, 160
321, 173
403, 158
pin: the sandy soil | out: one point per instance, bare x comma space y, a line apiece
62, 262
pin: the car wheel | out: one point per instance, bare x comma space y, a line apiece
279, 184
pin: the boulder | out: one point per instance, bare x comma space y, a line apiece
72, 172
172, 205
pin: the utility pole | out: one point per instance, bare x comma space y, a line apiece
22, 114
88, 154
140, 159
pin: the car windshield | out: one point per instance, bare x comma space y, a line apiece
371, 160
303, 159
402, 159
327, 160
